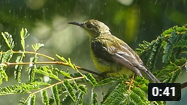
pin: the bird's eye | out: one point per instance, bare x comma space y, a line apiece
89, 26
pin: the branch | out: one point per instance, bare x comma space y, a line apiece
55, 62
46, 56
183, 85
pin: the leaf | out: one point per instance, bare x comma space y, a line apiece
181, 43
66, 74
171, 72
143, 47
173, 38
117, 96
180, 62
158, 103
91, 79
62, 58
169, 47
7, 56
181, 29
23, 34
95, 98
56, 95
69, 89
82, 88
138, 96
142, 84
32, 100
30, 70
45, 70
106, 81
45, 99
21, 88
3, 75
156, 46
67, 100
18, 68
166, 32
37, 46
79, 98
8, 39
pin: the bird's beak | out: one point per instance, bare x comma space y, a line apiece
76, 23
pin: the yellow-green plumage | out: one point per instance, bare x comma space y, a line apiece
104, 64
110, 54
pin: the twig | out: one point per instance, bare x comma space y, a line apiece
183, 85
55, 62
46, 56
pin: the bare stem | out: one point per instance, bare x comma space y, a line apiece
46, 56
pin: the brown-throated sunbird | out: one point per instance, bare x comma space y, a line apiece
110, 54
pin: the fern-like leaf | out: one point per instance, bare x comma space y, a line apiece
37, 46
56, 95
8, 39
69, 90
21, 88
23, 34
45, 99
91, 79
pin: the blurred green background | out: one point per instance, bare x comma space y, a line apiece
46, 20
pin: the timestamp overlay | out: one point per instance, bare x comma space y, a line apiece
164, 91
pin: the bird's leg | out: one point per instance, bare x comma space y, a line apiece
131, 82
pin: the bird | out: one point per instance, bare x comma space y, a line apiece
110, 54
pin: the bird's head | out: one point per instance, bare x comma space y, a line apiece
93, 27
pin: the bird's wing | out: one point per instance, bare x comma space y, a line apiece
116, 54
121, 54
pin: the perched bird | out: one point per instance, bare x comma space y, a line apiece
110, 54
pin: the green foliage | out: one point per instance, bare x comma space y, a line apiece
32, 100
23, 34
71, 88
117, 96
91, 79
37, 46
6, 56
8, 39
171, 47
45, 99
21, 88
95, 98
56, 95
3, 75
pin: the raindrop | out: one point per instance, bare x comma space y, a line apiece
31, 64
46, 79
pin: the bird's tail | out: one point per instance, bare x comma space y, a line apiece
152, 77
149, 74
